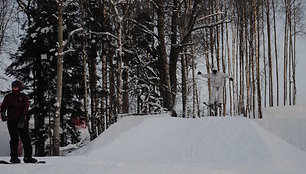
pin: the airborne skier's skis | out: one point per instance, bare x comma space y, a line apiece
213, 109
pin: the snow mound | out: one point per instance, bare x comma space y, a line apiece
288, 123
209, 141
166, 145
285, 112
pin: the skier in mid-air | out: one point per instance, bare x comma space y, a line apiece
16, 105
217, 82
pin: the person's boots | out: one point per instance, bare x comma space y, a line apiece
29, 160
15, 160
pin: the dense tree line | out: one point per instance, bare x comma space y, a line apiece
99, 59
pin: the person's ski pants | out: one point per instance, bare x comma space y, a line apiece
23, 133
216, 91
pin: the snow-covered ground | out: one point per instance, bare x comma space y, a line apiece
163, 145
4, 140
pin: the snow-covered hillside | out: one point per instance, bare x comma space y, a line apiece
162, 144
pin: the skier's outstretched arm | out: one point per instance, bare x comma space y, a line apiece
227, 76
204, 75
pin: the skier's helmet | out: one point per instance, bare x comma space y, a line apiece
214, 70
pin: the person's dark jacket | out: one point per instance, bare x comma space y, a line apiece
16, 105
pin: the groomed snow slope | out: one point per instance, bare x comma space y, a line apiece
164, 145
288, 123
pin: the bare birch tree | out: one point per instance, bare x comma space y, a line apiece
276, 53
56, 129
5, 16
269, 54
166, 83
286, 52
61, 5
84, 55
257, 31
120, 15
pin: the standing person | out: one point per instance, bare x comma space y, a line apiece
16, 105
217, 82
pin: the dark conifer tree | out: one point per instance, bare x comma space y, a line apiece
35, 65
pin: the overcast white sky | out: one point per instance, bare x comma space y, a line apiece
301, 71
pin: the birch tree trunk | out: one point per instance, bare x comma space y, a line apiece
104, 105
224, 70
125, 108
119, 19
233, 32
217, 30
92, 56
290, 58
119, 65
253, 64
163, 54
85, 69
229, 68
208, 71
252, 60
251, 68
112, 108
241, 61
194, 85
294, 59
257, 30
174, 51
56, 128
286, 55
264, 57
276, 52
85, 91
184, 83
246, 69
269, 54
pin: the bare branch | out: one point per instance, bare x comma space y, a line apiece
209, 16
72, 33
211, 24
105, 33
154, 4
144, 28
23, 6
